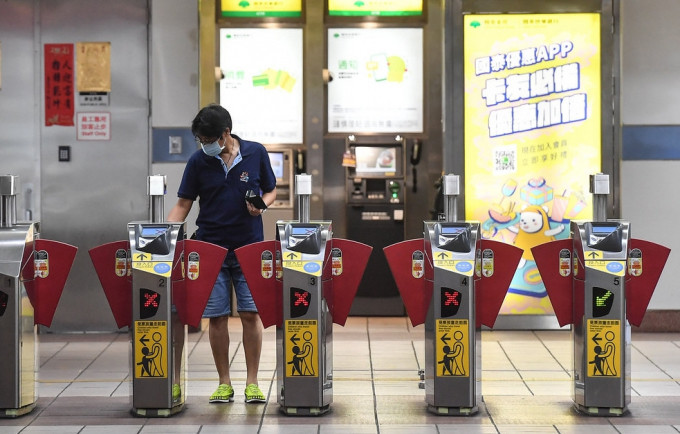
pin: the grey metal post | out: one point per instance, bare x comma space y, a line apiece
451, 191
156, 187
303, 189
8, 208
599, 187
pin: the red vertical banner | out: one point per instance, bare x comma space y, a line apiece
59, 84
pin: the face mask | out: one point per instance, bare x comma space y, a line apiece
212, 149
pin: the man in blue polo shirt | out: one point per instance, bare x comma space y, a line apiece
219, 175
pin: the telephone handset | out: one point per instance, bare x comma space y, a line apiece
415, 159
300, 162
415, 152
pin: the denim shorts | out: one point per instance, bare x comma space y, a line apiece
219, 303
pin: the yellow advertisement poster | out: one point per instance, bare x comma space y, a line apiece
453, 354
301, 348
604, 354
532, 133
151, 349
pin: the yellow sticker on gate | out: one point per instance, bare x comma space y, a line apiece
452, 348
151, 349
301, 348
604, 352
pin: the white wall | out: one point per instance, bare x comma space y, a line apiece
650, 95
174, 81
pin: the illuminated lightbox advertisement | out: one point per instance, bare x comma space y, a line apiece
262, 84
257, 9
532, 133
383, 8
377, 84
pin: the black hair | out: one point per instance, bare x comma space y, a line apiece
211, 121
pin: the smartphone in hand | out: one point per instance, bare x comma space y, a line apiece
255, 199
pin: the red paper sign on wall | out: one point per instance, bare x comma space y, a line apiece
59, 84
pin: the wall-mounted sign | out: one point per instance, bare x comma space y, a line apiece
381, 8
261, 8
93, 66
94, 126
262, 84
377, 84
532, 133
59, 84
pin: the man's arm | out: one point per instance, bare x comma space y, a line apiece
269, 197
180, 211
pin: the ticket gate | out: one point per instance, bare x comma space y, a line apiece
454, 282
597, 281
157, 282
33, 273
302, 283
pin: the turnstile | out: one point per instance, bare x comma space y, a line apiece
453, 281
156, 283
32, 277
304, 282
596, 281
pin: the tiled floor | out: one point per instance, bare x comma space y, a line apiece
83, 386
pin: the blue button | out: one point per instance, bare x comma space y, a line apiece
161, 268
311, 267
614, 267
463, 267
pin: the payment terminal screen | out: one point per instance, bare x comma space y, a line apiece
303, 230
153, 231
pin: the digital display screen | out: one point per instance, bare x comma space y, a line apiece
276, 159
604, 229
303, 230
451, 230
153, 231
376, 159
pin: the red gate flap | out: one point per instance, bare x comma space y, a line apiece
559, 286
491, 289
346, 275
410, 277
644, 277
202, 264
261, 277
115, 278
53, 262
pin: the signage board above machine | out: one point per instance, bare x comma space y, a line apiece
383, 8
261, 9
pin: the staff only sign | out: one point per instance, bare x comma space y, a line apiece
532, 133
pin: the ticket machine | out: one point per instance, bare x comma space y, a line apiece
597, 281
454, 282
303, 282
33, 273
157, 282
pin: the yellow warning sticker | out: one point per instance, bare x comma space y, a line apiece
452, 348
161, 268
291, 262
142, 257
301, 348
617, 268
604, 354
151, 352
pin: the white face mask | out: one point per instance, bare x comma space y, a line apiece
212, 149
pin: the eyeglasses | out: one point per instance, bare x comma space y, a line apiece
203, 142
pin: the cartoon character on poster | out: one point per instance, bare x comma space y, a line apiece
527, 216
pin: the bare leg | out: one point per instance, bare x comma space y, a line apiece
219, 343
252, 343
